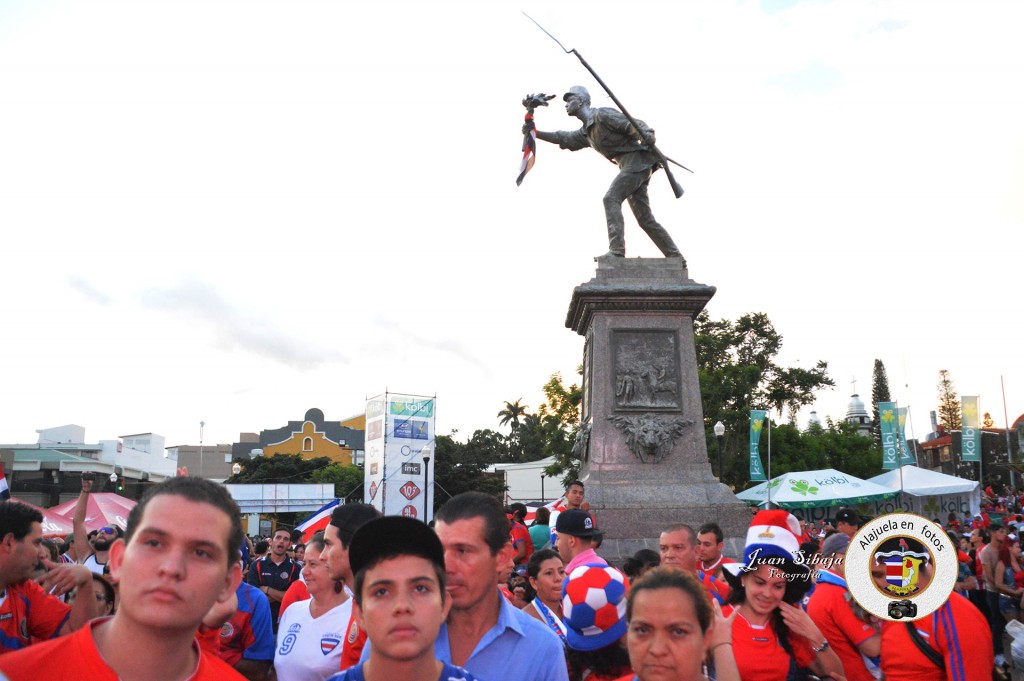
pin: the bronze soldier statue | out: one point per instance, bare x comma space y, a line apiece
610, 133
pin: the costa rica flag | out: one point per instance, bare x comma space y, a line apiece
894, 571
5, 491
318, 521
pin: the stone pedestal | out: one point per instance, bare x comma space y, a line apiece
645, 464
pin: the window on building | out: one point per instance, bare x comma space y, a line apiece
307, 444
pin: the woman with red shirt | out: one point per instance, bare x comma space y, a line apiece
674, 629
770, 629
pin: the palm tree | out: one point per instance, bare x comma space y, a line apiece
511, 414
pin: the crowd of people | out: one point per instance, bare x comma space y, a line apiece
182, 593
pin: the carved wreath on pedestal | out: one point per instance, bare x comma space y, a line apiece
650, 436
581, 445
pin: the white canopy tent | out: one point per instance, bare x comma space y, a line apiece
816, 489
922, 482
948, 493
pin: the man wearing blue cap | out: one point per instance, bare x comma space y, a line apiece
578, 538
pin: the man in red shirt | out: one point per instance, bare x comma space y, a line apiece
855, 640
709, 550
29, 611
848, 522
519, 535
176, 562
956, 634
678, 548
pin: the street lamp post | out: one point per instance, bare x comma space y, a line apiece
542, 476
426, 485
719, 435
202, 424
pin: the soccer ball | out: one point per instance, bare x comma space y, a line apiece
594, 599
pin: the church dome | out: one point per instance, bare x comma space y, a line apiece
857, 414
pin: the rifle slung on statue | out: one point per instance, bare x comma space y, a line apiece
664, 160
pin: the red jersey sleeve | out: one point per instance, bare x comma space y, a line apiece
355, 639
297, 591
520, 535
718, 589
46, 614
209, 641
964, 639
853, 628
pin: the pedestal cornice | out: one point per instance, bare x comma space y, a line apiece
636, 284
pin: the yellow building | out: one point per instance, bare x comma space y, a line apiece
313, 437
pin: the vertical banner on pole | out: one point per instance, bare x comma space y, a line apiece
970, 432
373, 459
408, 433
907, 457
890, 435
757, 417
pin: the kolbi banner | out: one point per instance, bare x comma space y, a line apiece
970, 433
890, 436
907, 457
757, 421
399, 481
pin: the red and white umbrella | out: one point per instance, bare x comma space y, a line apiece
53, 525
104, 509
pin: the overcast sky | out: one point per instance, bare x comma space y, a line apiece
231, 212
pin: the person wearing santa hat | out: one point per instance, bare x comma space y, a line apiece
771, 629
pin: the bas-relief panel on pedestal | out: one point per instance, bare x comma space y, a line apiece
645, 370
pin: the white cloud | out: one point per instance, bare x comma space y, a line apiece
270, 206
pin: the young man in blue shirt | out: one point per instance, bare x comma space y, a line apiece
400, 601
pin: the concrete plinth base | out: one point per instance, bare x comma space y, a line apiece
645, 464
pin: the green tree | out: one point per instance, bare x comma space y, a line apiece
738, 371
278, 469
560, 419
510, 416
949, 403
834, 445
533, 437
552, 430
879, 393
561, 402
459, 466
348, 481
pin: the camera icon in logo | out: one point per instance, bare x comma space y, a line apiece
900, 609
